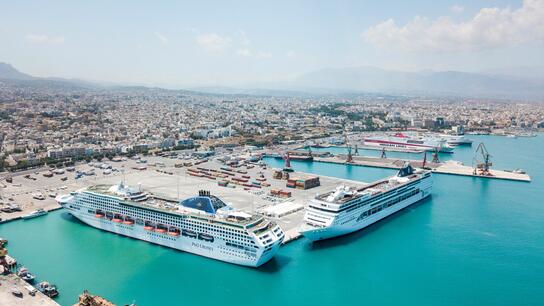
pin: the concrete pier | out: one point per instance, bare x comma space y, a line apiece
11, 282
455, 168
291, 235
449, 167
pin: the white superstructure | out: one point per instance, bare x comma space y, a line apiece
348, 209
202, 225
456, 140
400, 140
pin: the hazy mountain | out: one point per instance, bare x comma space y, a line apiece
8, 72
508, 83
372, 79
250, 91
521, 72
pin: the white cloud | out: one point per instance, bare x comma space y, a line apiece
245, 49
290, 54
245, 52
489, 28
213, 42
217, 43
262, 54
44, 39
457, 9
163, 39
244, 40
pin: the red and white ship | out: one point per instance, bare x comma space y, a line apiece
400, 140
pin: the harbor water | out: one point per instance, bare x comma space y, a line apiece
474, 242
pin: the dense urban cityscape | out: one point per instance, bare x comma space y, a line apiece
51, 124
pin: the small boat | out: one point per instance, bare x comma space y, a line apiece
25, 275
36, 213
160, 229
205, 237
48, 289
188, 233
3, 242
174, 232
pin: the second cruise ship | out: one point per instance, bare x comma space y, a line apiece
400, 140
349, 209
202, 225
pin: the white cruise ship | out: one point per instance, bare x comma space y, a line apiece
456, 140
346, 209
403, 141
202, 225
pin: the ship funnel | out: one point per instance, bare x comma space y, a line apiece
406, 170
204, 193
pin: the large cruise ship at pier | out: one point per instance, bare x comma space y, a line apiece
403, 141
349, 209
202, 225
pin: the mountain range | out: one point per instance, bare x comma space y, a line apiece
511, 83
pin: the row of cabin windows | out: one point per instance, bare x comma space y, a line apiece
390, 203
362, 202
163, 218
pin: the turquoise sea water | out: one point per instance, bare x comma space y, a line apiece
475, 242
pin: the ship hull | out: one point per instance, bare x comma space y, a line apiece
347, 224
401, 143
215, 250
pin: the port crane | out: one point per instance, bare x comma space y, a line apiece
435, 156
350, 156
482, 164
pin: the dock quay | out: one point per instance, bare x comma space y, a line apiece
19, 215
250, 188
386, 149
449, 167
10, 283
291, 235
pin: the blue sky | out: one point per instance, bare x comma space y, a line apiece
240, 42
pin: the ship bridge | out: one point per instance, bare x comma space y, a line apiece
204, 202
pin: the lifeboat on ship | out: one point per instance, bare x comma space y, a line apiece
205, 237
161, 229
188, 233
149, 226
173, 232
117, 218
128, 221
99, 214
